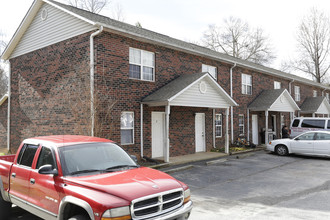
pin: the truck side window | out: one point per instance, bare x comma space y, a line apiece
295, 123
45, 157
312, 123
28, 155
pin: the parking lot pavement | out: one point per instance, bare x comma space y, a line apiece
261, 186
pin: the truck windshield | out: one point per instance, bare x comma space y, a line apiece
83, 159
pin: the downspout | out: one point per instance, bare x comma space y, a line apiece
92, 70
8, 109
291, 113
231, 107
290, 86
141, 128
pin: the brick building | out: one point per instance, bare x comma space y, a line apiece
155, 95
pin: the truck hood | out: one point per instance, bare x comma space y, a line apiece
128, 184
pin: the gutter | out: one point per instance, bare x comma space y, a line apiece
92, 71
9, 106
231, 107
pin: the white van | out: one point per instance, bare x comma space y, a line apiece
302, 124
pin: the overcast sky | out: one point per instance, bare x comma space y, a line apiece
188, 19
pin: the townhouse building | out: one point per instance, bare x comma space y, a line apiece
75, 72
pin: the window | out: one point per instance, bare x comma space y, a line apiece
26, 155
211, 69
312, 123
277, 85
322, 136
241, 124
327, 96
218, 125
295, 123
314, 93
306, 137
127, 128
141, 64
45, 157
297, 93
246, 84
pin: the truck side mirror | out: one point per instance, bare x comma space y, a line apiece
47, 169
134, 158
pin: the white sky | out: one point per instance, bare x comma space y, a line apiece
188, 19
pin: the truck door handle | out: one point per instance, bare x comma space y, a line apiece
32, 181
13, 175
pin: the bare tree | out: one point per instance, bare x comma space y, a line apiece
237, 39
3, 75
313, 47
79, 103
118, 12
94, 6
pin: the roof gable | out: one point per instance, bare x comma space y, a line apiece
318, 105
195, 90
274, 100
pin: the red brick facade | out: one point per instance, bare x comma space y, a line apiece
43, 82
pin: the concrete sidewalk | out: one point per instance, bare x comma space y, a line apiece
180, 160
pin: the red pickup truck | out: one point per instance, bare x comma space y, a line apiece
79, 177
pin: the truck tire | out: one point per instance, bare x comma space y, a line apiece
5, 208
79, 217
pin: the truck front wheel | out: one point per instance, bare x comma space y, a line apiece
5, 208
79, 217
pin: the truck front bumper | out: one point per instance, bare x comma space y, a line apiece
182, 213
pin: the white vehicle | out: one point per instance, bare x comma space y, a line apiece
303, 124
310, 143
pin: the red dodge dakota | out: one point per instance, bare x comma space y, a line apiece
80, 177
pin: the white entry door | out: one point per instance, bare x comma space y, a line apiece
255, 133
157, 134
200, 132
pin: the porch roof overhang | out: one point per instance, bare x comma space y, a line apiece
191, 90
277, 100
315, 105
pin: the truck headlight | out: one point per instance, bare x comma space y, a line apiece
186, 196
122, 213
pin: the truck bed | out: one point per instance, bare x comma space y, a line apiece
9, 158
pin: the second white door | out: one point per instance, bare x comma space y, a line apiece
200, 132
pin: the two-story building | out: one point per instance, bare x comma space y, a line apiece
75, 72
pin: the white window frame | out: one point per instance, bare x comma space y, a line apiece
219, 126
314, 93
277, 85
127, 128
241, 125
297, 93
142, 64
246, 83
210, 69
327, 96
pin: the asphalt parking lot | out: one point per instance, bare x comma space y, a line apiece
260, 186
257, 185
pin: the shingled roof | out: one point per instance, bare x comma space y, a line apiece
312, 104
267, 100
143, 34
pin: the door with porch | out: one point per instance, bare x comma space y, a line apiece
200, 132
157, 134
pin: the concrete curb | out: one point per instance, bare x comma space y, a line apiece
179, 169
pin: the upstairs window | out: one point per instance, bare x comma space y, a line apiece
246, 84
277, 85
141, 64
297, 93
314, 93
210, 69
327, 96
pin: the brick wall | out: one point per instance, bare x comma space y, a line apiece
44, 94
3, 124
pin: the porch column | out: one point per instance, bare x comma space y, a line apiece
167, 136
266, 131
227, 135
